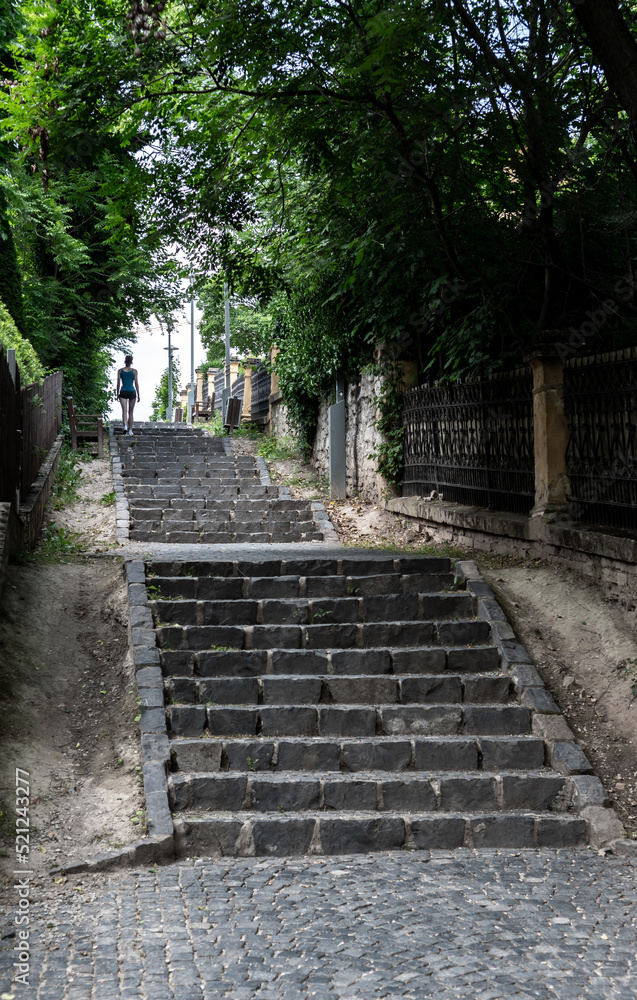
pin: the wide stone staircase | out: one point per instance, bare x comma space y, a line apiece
184, 486
324, 705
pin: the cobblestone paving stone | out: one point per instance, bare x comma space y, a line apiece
454, 926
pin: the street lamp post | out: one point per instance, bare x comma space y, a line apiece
225, 396
169, 408
191, 393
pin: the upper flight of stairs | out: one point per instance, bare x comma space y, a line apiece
184, 486
335, 705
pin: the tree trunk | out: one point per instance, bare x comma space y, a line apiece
615, 49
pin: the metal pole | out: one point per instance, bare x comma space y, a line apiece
169, 408
169, 414
191, 394
226, 392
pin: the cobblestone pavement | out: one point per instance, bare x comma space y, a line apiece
488, 926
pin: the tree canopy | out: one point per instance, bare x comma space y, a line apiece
438, 182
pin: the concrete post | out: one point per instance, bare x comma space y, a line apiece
274, 382
246, 412
234, 372
199, 393
336, 444
551, 434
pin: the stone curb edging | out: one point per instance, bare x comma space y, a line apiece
122, 509
318, 509
587, 794
159, 846
322, 518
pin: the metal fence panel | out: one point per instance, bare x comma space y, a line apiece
472, 441
260, 402
220, 384
600, 400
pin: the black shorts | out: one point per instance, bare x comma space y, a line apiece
128, 394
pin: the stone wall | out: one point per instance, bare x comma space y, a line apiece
608, 560
279, 425
361, 437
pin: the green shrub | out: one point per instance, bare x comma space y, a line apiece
31, 369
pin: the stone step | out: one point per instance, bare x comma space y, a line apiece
352, 690
369, 791
351, 755
312, 566
222, 537
319, 610
233, 588
349, 720
333, 636
277, 835
388, 660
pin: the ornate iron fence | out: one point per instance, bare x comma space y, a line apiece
260, 403
472, 441
600, 399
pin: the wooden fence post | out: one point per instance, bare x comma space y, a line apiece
551, 432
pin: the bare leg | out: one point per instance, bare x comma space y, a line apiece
131, 407
124, 408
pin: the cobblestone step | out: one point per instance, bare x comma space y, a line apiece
348, 720
343, 662
347, 703
321, 610
350, 690
351, 755
358, 832
363, 635
368, 791
233, 588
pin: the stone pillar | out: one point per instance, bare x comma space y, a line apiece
551, 433
234, 372
199, 392
183, 403
274, 384
246, 412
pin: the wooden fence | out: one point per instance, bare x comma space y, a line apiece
30, 420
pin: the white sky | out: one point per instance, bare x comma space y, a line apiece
151, 360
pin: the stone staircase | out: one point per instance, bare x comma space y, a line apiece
343, 704
184, 486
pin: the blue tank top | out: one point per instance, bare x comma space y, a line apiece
128, 379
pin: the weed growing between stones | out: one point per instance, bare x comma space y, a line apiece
108, 499
628, 668
57, 544
67, 479
274, 448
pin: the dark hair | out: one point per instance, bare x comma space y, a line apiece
128, 360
